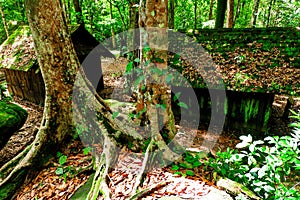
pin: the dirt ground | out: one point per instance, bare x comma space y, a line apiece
48, 185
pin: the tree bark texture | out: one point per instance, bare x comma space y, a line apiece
221, 11
172, 14
211, 8
254, 14
230, 12
58, 63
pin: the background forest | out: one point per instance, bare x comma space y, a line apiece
106, 17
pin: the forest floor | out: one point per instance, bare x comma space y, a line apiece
48, 185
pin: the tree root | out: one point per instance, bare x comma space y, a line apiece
149, 190
8, 167
156, 142
103, 164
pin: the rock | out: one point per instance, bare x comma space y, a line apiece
12, 118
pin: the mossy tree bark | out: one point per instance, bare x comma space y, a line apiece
154, 98
58, 64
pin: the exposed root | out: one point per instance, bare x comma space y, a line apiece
8, 167
141, 175
149, 190
103, 164
156, 142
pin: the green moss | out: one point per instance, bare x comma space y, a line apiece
267, 116
226, 106
250, 109
12, 118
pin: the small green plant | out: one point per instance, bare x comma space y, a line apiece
264, 166
63, 170
189, 162
86, 150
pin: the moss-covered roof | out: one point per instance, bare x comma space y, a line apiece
18, 52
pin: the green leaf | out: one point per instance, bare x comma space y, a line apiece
162, 106
190, 173
183, 165
175, 167
178, 173
59, 171
152, 13
182, 105
86, 150
62, 159
176, 57
137, 60
196, 163
159, 60
176, 96
146, 49
59, 154
129, 67
115, 114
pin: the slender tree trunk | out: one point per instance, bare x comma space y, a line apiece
211, 8
113, 38
66, 7
172, 14
237, 12
78, 11
221, 11
269, 11
155, 95
4, 21
276, 16
195, 14
254, 14
230, 12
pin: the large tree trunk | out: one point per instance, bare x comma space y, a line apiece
221, 11
230, 12
58, 63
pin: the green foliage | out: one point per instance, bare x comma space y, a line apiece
3, 96
265, 166
86, 150
63, 170
189, 162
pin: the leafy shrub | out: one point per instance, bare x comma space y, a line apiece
264, 166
